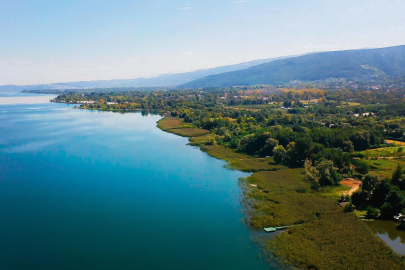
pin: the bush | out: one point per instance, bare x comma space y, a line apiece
371, 211
358, 155
348, 208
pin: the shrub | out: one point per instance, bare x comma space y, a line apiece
348, 208
371, 211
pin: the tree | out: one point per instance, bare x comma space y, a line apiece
269, 146
371, 211
359, 198
348, 147
397, 176
396, 198
380, 193
323, 174
302, 146
311, 174
362, 167
279, 154
361, 140
328, 174
316, 148
387, 211
370, 181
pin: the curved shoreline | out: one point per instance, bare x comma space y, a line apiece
328, 237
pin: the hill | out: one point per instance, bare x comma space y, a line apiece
165, 80
354, 64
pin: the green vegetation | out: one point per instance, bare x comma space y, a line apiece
335, 241
298, 155
327, 238
240, 161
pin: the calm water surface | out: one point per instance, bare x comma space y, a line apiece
100, 190
387, 231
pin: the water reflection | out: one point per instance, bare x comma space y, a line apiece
387, 231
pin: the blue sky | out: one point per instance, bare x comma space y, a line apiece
44, 41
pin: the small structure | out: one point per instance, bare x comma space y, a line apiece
343, 204
273, 229
269, 229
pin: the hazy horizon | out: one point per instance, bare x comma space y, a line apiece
86, 41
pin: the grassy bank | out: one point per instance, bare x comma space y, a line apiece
323, 236
177, 126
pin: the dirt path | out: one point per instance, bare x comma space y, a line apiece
352, 183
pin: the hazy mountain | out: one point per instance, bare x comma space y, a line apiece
360, 64
163, 80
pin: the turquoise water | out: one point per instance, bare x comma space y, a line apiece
100, 190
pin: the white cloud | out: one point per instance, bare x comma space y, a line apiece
187, 53
241, 1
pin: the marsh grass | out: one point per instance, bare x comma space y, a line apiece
241, 161
335, 241
327, 238
177, 126
188, 132
169, 122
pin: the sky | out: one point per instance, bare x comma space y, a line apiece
47, 41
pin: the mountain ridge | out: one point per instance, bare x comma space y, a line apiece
348, 64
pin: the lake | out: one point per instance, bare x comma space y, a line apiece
100, 190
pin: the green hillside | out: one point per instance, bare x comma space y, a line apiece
359, 64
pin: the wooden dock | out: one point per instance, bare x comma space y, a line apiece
273, 229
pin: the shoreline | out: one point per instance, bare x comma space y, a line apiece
328, 238
279, 196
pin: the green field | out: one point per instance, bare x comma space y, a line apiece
384, 152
